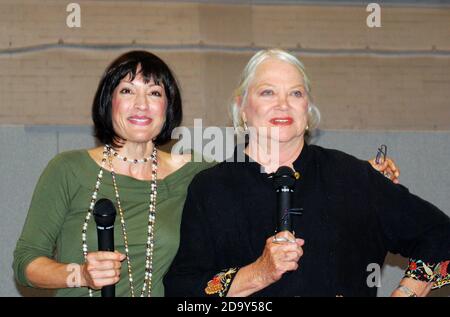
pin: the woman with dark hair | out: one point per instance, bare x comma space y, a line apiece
136, 107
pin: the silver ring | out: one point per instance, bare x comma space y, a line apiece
282, 239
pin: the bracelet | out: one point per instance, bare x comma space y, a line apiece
406, 290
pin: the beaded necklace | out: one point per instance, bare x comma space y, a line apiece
108, 155
125, 159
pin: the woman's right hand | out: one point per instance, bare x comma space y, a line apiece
279, 257
101, 268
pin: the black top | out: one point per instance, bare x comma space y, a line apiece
352, 216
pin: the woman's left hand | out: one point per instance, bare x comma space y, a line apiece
387, 168
419, 288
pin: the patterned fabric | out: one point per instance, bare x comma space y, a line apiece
437, 273
221, 282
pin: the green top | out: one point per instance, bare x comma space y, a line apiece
59, 206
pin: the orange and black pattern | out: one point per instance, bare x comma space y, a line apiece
437, 273
221, 282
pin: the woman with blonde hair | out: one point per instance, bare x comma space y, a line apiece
352, 215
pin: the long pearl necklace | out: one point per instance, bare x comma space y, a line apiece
108, 156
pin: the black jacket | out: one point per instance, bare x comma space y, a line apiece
352, 217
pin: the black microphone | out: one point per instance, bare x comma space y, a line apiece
284, 182
105, 215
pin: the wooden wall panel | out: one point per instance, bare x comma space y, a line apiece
393, 77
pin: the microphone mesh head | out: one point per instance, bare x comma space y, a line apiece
104, 212
284, 177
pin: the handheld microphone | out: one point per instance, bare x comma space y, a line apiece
284, 182
105, 215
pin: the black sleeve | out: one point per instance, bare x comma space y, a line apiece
193, 265
409, 225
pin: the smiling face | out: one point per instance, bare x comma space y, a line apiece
138, 109
277, 99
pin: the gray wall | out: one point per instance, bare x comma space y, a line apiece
422, 157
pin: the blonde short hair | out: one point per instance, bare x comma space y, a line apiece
248, 75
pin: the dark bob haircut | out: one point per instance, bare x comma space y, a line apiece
152, 68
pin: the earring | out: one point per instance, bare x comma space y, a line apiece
307, 128
245, 126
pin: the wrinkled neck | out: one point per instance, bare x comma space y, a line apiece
273, 155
